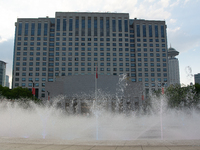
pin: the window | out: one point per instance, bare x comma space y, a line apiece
138, 30
150, 30
156, 30
162, 31
144, 30
26, 29
95, 26
114, 25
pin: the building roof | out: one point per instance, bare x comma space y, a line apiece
172, 52
2, 62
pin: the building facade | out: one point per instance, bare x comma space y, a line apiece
7, 81
197, 78
174, 76
2, 73
75, 43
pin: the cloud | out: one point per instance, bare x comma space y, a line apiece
185, 2
176, 3
152, 10
174, 30
172, 20
182, 41
2, 40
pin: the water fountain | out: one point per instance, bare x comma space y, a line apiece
50, 122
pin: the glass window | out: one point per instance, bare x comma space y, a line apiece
138, 30
120, 25
26, 29
144, 30
126, 25
95, 26
70, 24
162, 32
20, 29
39, 29
101, 26
114, 25
89, 26
107, 26
77, 26
156, 30
150, 30
83, 26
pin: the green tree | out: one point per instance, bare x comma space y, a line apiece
182, 96
18, 93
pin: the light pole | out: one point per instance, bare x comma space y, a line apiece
48, 95
33, 89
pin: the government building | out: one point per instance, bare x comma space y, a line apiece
47, 50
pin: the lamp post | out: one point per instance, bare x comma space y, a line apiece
33, 89
161, 111
48, 95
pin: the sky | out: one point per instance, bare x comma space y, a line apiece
181, 16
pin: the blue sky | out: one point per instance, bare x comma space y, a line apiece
181, 16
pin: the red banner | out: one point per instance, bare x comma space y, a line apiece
163, 91
33, 90
142, 97
96, 73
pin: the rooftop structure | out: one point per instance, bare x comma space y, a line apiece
174, 75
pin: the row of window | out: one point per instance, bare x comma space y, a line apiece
30, 79
89, 39
82, 59
76, 44
154, 85
70, 64
90, 27
89, 64
96, 24
151, 50
89, 44
31, 85
95, 59
148, 75
140, 80
88, 54
157, 31
89, 49
101, 69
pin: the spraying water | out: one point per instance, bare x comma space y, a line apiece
30, 120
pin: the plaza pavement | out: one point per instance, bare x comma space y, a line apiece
8, 143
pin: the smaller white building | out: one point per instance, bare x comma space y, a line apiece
173, 63
2, 73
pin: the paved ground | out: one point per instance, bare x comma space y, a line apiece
47, 144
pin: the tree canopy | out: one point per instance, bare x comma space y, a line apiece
182, 96
17, 93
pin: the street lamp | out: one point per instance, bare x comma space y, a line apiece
48, 95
